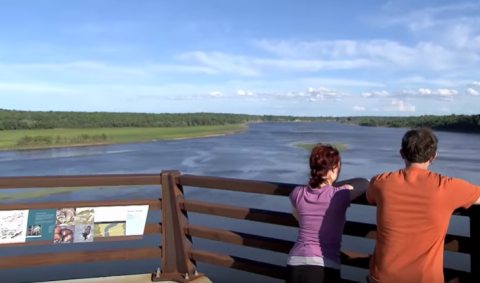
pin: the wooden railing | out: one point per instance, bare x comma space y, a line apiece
177, 252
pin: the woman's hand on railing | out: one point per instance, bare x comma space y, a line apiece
348, 187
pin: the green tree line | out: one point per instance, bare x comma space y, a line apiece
24, 120
450, 123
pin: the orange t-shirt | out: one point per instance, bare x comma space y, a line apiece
414, 207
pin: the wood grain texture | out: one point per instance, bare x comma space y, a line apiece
79, 181
79, 257
155, 204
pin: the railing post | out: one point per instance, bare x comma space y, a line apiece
176, 264
474, 215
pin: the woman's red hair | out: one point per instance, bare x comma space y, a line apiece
322, 159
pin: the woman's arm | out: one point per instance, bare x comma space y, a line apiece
294, 195
358, 186
295, 213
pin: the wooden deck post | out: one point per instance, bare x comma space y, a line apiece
176, 264
474, 215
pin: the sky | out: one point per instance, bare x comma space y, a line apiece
275, 57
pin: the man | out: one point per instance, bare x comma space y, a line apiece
414, 206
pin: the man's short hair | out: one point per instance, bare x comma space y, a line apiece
419, 145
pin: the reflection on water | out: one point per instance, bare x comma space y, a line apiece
265, 152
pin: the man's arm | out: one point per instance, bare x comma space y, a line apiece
370, 193
294, 195
460, 193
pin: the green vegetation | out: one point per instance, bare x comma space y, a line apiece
309, 146
27, 139
451, 123
31, 120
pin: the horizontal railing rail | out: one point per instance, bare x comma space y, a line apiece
154, 204
37, 260
177, 251
79, 181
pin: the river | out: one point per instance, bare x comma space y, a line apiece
264, 152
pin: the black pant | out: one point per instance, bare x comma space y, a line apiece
312, 274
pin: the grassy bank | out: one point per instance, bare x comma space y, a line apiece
309, 146
30, 139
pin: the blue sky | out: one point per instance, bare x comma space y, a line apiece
278, 57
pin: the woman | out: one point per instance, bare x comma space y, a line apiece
320, 209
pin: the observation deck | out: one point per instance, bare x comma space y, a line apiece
176, 249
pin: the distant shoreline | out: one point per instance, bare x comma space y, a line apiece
200, 137
133, 135
119, 135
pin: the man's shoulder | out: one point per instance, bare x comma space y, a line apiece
402, 172
389, 178
386, 176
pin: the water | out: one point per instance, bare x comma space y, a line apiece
264, 152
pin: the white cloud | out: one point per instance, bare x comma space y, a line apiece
380, 53
94, 68
324, 94
375, 94
451, 44
430, 17
456, 26
471, 91
437, 53
400, 106
216, 94
441, 81
242, 92
358, 108
151, 87
222, 63
441, 94
336, 82
255, 66
311, 94
439, 39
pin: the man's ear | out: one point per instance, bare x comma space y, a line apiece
401, 154
433, 158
